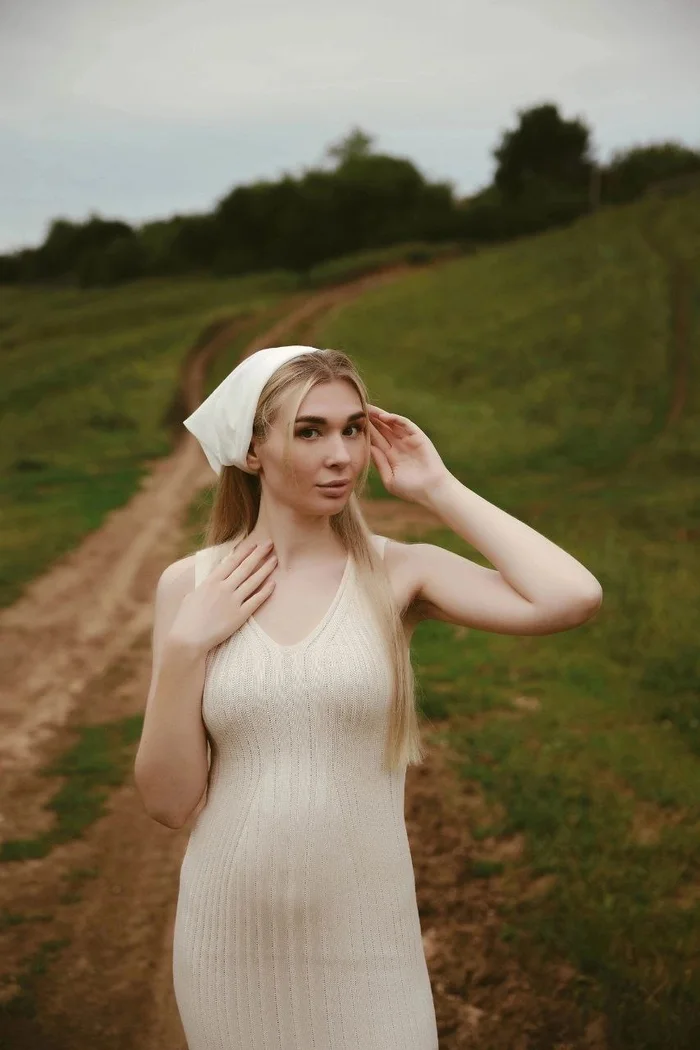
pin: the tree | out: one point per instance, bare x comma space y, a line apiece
356, 144
631, 171
68, 244
122, 259
376, 198
542, 155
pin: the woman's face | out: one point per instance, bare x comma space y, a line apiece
329, 443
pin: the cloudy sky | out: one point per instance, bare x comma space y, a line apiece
143, 108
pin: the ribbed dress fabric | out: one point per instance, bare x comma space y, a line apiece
297, 925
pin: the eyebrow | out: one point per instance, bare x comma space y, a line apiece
320, 419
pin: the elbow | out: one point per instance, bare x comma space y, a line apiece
167, 817
586, 606
592, 594
167, 820
158, 804
594, 600
154, 808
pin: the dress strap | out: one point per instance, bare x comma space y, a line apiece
382, 544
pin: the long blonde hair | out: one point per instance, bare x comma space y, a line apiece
235, 509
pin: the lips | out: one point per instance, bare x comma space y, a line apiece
335, 484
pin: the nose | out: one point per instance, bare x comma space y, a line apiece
338, 451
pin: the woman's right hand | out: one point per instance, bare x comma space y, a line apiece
224, 600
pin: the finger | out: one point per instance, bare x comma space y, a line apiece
392, 419
379, 421
250, 584
378, 437
242, 552
391, 434
381, 462
399, 421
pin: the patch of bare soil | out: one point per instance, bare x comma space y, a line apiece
86, 932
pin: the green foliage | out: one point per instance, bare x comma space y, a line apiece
75, 241
370, 201
542, 177
542, 153
542, 205
632, 171
123, 259
348, 267
356, 144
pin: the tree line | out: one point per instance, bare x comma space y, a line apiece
544, 176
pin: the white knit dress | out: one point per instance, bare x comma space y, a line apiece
297, 926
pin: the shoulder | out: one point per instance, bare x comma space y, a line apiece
177, 579
396, 553
183, 575
403, 567
175, 582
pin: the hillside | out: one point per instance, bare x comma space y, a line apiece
556, 377
592, 310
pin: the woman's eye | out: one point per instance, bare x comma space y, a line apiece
313, 430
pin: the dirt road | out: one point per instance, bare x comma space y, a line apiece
90, 967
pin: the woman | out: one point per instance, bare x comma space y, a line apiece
283, 645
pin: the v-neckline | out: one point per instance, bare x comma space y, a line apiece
262, 633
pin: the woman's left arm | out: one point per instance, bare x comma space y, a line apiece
533, 566
536, 588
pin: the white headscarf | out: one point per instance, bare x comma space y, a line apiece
223, 423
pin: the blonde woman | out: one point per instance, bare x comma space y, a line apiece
282, 715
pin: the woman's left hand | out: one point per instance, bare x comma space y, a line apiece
407, 460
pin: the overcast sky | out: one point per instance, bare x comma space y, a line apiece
142, 108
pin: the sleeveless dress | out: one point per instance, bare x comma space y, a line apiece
297, 925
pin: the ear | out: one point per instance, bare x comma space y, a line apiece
252, 459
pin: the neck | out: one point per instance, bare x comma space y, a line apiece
300, 540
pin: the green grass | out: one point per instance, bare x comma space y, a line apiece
88, 396
97, 762
543, 372
356, 264
24, 1002
89, 391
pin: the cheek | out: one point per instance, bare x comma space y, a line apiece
305, 454
305, 459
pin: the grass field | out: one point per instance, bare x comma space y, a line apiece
86, 399
557, 377
544, 372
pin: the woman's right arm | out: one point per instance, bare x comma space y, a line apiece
172, 767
